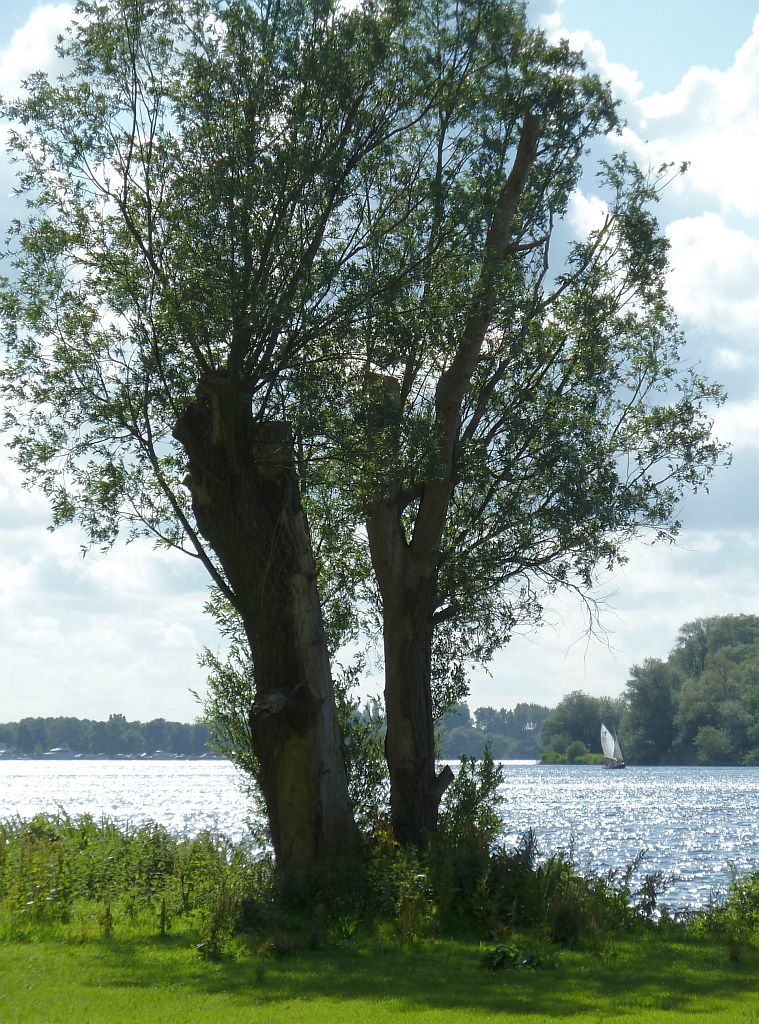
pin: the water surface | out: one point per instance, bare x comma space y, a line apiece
693, 821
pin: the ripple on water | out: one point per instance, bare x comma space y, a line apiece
692, 821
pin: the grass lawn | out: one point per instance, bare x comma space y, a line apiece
139, 979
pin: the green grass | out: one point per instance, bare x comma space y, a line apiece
101, 924
75, 978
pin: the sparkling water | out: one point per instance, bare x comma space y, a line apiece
694, 822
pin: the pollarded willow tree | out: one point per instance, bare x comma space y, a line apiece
176, 295
521, 415
287, 252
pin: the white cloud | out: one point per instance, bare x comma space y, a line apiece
116, 632
586, 213
32, 47
730, 359
714, 274
545, 14
739, 423
177, 636
711, 119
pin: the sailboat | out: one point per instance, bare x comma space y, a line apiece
611, 748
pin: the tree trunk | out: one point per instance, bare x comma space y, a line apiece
246, 501
415, 787
409, 592
407, 571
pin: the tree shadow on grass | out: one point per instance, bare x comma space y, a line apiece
448, 976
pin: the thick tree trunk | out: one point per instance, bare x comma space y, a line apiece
415, 787
247, 505
409, 592
407, 570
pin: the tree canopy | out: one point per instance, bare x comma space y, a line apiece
576, 719
288, 296
700, 705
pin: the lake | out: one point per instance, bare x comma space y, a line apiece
693, 821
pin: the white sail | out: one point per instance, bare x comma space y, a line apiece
608, 744
617, 750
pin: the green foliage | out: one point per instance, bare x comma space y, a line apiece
735, 917
226, 709
512, 734
468, 827
399, 892
54, 869
363, 750
576, 752
553, 757
345, 214
528, 890
701, 705
510, 955
83, 881
577, 718
308, 241
649, 719
33, 736
472, 803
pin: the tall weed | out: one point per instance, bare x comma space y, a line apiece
734, 918
460, 851
53, 864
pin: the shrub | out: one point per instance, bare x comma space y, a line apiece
398, 887
576, 752
460, 851
736, 917
53, 863
97, 877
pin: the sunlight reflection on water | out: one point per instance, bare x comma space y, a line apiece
185, 796
693, 821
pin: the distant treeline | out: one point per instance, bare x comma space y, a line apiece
33, 736
512, 734
699, 706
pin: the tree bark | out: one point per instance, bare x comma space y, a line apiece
409, 592
407, 571
246, 501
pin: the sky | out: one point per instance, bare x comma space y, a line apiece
120, 633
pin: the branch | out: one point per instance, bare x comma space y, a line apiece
454, 381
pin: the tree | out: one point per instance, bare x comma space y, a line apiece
176, 291
715, 746
457, 717
302, 256
578, 716
576, 753
649, 719
521, 413
702, 703
718, 701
